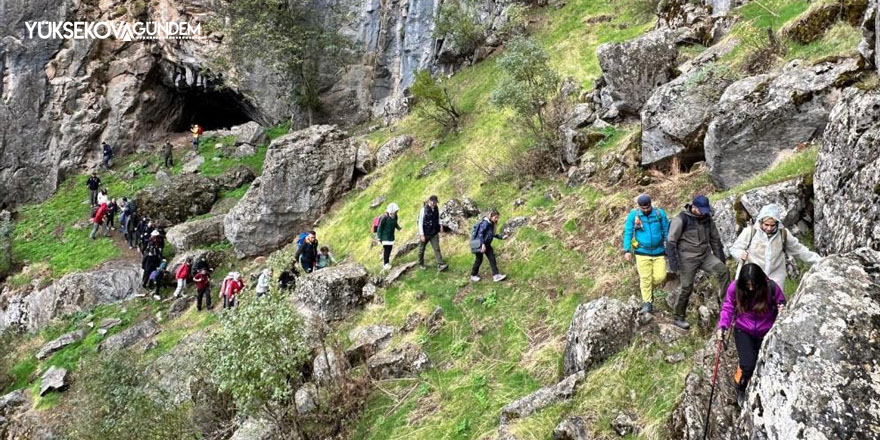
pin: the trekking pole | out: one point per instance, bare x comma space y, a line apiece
712, 392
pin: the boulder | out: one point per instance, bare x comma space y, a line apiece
378, 201
688, 418
59, 343
6, 228
234, 178
322, 373
54, 379
428, 169
31, 310
582, 174
512, 225
573, 139
305, 398
397, 272
130, 336
303, 174
255, 429
755, 113
393, 148
675, 117
366, 160
817, 373
867, 47
176, 372
106, 324
191, 166
724, 214
244, 150
404, 361
196, 233
412, 321
332, 293
544, 397
572, 428
366, 341
14, 402
598, 330
175, 201
632, 69
249, 133
455, 213
847, 177
792, 197
812, 24
180, 305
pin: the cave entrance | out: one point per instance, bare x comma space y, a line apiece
213, 109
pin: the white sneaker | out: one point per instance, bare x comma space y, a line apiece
475, 278
156, 297
387, 267
498, 277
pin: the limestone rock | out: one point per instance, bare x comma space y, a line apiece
337, 366
632, 69
378, 201
244, 150
404, 361
397, 272
234, 178
180, 305
54, 379
572, 428
367, 341
255, 429
192, 165
754, 113
724, 214
305, 398
406, 247
792, 197
822, 349
13, 402
455, 213
106, 324
176, 371
31, 310
582, 174
677, 114
130, 336
250, 133
541, 399
625, 424
847, 177
332, 293
59, 343
870, 36
412, 321
599, 329
511, 226
303, 173
393, 148
6, 228
366, 160
177, 200
812, 24
196, 233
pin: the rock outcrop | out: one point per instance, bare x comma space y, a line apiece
196, 233
817, 373
572, 428
59, 343
304, 172
5, 243
130, 336
368, 341
175, 371
54, 379
405, 361
31, 310
175, 201
393, 148
540, 399
598, 330
632, 69
847, 177
760, 118
455, 214
812, 24
234, 178
332, 293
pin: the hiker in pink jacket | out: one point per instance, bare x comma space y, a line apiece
752, 304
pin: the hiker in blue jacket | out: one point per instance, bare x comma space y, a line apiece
483, 235
307, 252
644, 234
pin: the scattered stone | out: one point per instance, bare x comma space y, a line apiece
130, 336
675, 358
197, 233
54, 379
404, 361
599, 329
397, 272
369, 292
250, 133
151, 344
59, 343
108, 323
407, 247
519, 202
435, 320
323, 374
180, 305
582, 174
427, 170
393, 148
13, 402
625, 424
572, 428
162, 176
305, 398
541, 399
616, 174
412, 321
234, 178
669, 333
512, 225
244, 150
378, 201
367, 341
193, 165
706, 319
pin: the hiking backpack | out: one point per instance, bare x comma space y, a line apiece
376, 221
199, 130
301, 238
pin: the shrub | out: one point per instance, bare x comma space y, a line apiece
457, 20
434, 101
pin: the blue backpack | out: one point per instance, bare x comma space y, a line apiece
301, 238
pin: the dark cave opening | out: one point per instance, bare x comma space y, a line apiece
212, 109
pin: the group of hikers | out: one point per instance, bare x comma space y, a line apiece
691, 242
482, 235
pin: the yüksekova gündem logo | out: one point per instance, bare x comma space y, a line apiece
119, 30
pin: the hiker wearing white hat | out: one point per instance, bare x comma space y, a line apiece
385, 232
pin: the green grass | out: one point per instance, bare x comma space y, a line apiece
840, 39
800, 164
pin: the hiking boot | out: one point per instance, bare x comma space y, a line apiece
475, 278
156, 297
498, 277
442, 267
740, 396
681, 323
647, 308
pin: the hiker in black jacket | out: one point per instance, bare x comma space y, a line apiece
307, 252
429, 232
108, 154
166, 154
481, 244
94, 184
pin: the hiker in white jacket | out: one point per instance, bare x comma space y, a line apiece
263, 282
767, 242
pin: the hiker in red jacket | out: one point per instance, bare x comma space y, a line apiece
203, 289
182, 275
98, 219
230, 289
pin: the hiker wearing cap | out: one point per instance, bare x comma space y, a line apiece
767, 243
644, 234
264, 282
182, 275
751, 304
429, 232
482, 235
307, 252
230, 289
385, 233
694, 243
